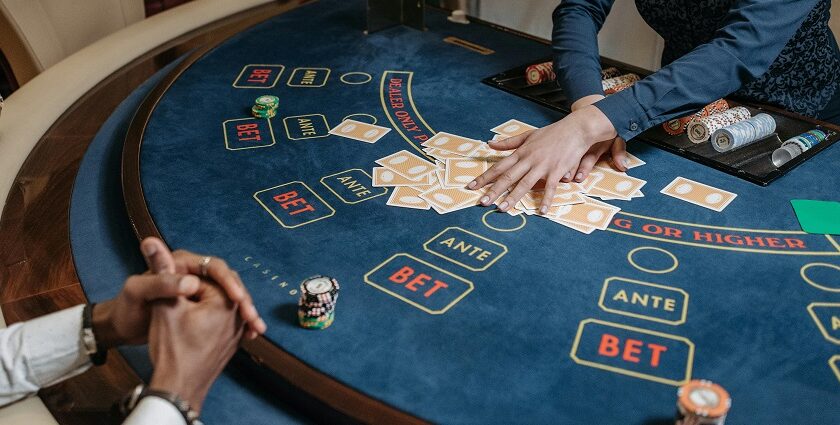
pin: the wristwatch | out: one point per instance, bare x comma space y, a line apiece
130, 401
97, 357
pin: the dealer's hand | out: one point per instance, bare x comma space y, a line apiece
191, 341
161, 260
549, 153
616, 147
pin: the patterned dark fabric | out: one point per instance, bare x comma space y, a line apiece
803, 78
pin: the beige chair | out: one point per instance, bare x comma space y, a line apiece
65, 79
36, 34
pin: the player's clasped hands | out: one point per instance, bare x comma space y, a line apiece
564, 151
192, 310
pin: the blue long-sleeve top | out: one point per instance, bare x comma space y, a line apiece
773, 51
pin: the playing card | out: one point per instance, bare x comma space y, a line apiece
590, 213
442, 154
574, 226
487, 153
446, 200
606, 196
533, 200
459, 172
383, 176
618, 184
453, 143
406, 164
512, 128
632, 162
407, 197
699, 194
590, 181
360, 131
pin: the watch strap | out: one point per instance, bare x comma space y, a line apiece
130, 401
97, 356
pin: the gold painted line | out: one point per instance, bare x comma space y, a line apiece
628, 372
833, 242
726, 248
391, 119
833, 364
706, 226
414, 107
469, 45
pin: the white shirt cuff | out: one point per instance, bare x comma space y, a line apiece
53, 347
155, 411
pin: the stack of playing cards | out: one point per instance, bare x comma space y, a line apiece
421, 184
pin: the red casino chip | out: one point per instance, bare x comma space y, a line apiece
540, 73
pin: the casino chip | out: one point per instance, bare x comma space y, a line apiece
265, 106
316, 306
610, 72
678, 126
616, 84
540, 73
701, 129
268, 101
743, 133
702, 402
795, 146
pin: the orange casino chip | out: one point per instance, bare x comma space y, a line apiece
703, 399
677, 126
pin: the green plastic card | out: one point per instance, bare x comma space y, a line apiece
820, 217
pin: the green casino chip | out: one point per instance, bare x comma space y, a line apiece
263, 113
267, 101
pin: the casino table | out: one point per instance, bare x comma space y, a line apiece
471, 317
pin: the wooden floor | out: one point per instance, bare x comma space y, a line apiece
37, 275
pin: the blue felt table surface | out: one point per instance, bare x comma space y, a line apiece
501, 354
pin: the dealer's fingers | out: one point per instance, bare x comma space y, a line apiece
509, 143
525, 184
495, 171
588, 162
550, 189
618, 151
504, 182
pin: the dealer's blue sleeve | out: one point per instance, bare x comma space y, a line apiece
575, 45
747, 43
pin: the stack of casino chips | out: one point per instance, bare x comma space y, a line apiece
544, 72
265, 106
540, 73
610, 72
700, 130
316, 307
617, 84
795, 146
677, 126
743, 133
702, 402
